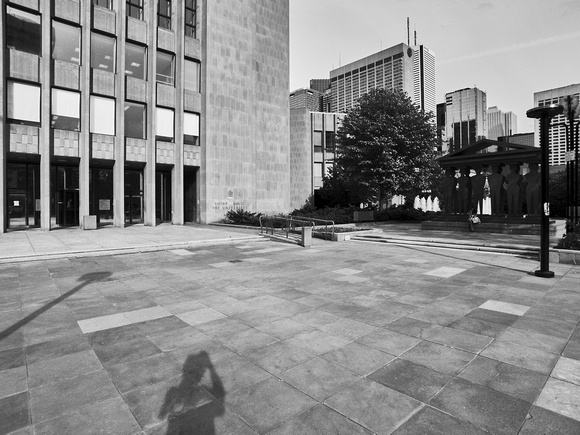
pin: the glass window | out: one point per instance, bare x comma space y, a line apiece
102, 119
135, 120
135, 9
165, 68
190, 18
192, 75
164, 128
164, 14
136, 61
23, 32
102, 52
191, 128
65, 110
66, 42
104, 3
23, 102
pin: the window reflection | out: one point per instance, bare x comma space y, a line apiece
23, 32
192, 75
23, 102
65, 110
66, 43
165, 68
135, 61
102, 52
135, 116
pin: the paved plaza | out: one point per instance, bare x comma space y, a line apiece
247, 335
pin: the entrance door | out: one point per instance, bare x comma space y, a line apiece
133, 197
101, 194
65, 190
189, 195
23, 195
163, 196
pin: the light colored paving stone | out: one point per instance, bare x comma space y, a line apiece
145, 314
351, 279
198, 317
561, 397
256, 260
346, 271
182, 252
568, 370
505, 307
103, 322
445, 272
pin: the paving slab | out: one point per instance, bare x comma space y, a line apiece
280, 345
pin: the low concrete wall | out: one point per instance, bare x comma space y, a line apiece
565, 256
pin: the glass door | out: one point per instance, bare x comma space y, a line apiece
23, 195
133, 197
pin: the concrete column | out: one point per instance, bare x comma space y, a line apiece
4, 145
201, 176
177, 217
119, 165
44, 134
149, 171
85, 135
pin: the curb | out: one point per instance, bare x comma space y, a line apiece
100, 252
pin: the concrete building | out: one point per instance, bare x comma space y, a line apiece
313, 146
424, 89
465, 117
500, 123
142, 111
310, 99
558, 141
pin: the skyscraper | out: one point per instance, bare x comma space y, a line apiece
465, 117
500, 123
388, 69
558, 130
424, 91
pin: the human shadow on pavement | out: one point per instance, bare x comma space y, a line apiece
84, 280
187, 407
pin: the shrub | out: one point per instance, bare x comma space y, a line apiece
403, 213
340, 215
242, 217
571, 240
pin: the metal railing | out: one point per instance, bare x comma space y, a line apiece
292, 225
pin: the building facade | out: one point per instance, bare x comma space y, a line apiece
424, 89
388, 69
558, 140
310, 99
465, 117
313, 148
500, 123
142, 111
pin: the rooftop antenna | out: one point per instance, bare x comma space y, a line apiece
415, 33
408, 34
339, 62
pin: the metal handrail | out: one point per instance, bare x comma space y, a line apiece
325, 222
289, 225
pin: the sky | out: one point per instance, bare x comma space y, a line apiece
508, 48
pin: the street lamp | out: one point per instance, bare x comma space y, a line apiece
572, 111
545, 115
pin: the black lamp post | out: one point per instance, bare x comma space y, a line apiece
545, 115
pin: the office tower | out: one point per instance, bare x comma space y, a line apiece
500, 123
465, 117
424, 91
558, 141
142, 111
388, 69
442, 145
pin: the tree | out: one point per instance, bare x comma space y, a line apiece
386, 146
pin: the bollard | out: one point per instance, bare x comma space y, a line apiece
306, 237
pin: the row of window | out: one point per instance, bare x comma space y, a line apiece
23, 34
23, 105
164, 13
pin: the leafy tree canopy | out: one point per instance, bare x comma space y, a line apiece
386, 146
